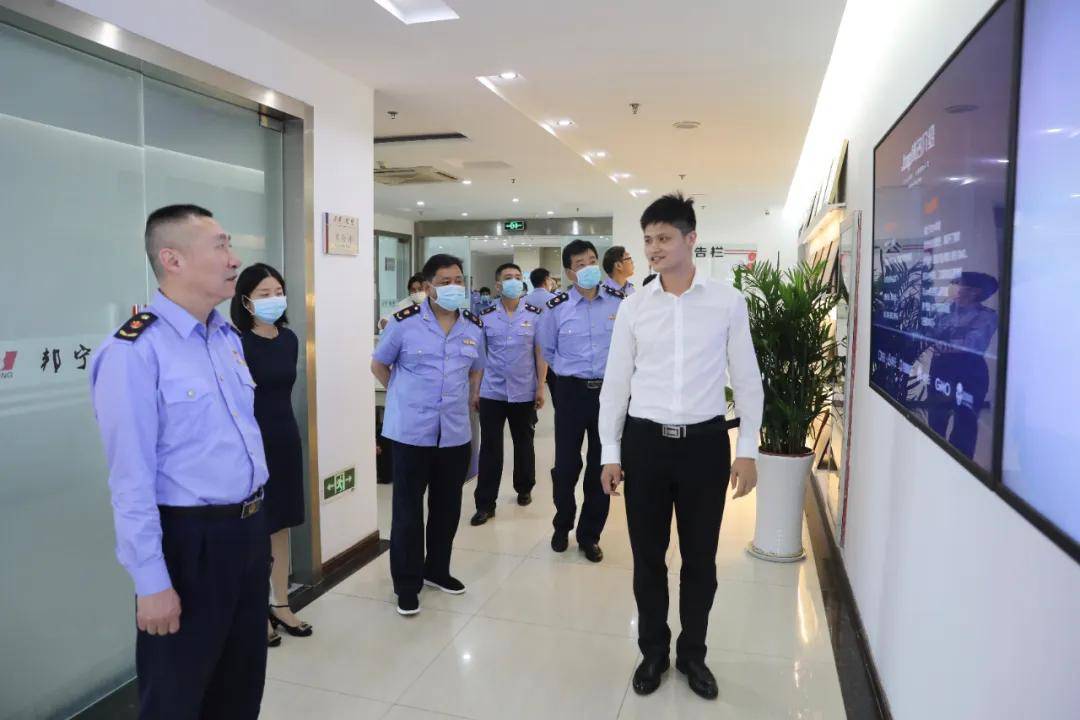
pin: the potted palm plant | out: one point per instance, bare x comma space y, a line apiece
797, 352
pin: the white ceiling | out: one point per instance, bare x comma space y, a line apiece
748, 70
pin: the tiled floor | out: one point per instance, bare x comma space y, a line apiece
552, 637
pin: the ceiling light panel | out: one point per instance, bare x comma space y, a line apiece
412, 12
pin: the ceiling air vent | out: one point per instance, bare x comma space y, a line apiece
421, 175
424, 137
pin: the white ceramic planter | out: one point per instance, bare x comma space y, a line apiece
780, 494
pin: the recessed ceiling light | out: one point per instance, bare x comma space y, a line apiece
464, 214
517, 199
466, 182
600, 154
687, 125
420, 203
639, 191
565, 122
551, 212
418, 11
508, 75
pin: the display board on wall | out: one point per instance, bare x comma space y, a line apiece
341, 234
940, 219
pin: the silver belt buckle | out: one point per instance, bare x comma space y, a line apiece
676, 432
594, 384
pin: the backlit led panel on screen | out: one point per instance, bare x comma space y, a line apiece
1042, 404
940, 214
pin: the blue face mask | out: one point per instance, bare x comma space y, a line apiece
588, 277
269, 310
451, 297
513, 288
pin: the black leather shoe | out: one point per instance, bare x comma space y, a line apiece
447, 584
701, 679
301, 630
592, 552
559, 542
481, 517
524, 499
649, 673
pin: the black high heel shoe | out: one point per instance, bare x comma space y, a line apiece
301, 630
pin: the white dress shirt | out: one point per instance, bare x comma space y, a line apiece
670, 359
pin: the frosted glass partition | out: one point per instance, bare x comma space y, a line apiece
76, 182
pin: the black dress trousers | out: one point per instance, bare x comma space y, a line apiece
493, 415
689, 475
577, 413
441, 472
215, 666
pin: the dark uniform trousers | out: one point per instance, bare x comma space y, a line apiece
551, 380
493, 415
215, 666
688, 474
577, 413
441, 472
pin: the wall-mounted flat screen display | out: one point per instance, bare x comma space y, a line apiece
940, 222
1042, 392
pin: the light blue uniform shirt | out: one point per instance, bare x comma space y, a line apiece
627, 289
510, 372
539, 297
175, 404
575, 333
427, 402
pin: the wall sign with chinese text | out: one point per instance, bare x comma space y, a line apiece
342, 234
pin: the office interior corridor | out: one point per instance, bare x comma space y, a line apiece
546, 636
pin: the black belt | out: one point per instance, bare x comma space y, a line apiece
678, 432
590, 384
242, 510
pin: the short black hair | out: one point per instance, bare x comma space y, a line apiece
485, 290
435, 263
576, 247
504, 266
165, 216
673, 209
245, 285
613, 255
539, 276
417, 278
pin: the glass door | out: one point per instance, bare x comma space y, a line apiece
393, 268
87, 149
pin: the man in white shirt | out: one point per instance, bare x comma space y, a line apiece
664, 433
416, 296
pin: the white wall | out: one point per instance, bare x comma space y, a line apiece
970, 611
343, 184
393, 224
483, 269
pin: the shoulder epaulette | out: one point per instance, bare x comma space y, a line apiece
407, 313
558, 299
615, 293
135, 327
532, 308
472, 318
648, 280
488, 310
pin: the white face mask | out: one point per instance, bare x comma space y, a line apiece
418, 297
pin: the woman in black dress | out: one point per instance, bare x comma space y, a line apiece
271, 351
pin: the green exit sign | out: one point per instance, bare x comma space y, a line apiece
514, 225
339, 483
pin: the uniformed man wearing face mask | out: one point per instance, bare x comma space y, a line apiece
431, 361
512, 391
575, 333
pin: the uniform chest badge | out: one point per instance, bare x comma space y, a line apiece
469, 341
611, 317
526, 323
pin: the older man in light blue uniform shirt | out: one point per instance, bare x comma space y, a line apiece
575, 334
431, 359
175, 402
511, 391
